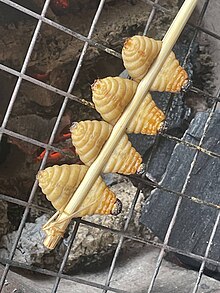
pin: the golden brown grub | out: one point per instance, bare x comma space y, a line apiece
88, 137
59, 183
111, 95
139, 53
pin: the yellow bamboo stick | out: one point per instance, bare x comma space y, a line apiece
58, 228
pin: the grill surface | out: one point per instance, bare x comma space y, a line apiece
88, 41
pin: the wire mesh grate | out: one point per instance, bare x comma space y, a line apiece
123, 234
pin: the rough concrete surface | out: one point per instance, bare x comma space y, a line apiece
132, 275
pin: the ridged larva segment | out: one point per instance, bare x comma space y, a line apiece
59, 183
112, 94
88, 137
138, 54
124, 159
171, 77
148, 118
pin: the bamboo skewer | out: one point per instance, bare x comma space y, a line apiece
57, 228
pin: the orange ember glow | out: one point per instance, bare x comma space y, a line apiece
41, 76
56, 156
63, 4
64, 136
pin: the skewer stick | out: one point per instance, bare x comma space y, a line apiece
169, 40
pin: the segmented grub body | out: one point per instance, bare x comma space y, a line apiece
88, 137
58, 183
171, 78
111, 95
138, 54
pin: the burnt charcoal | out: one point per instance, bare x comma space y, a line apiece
4, 149
31, 126
9, 15
156, 162
178, 112
141, 142
194, 223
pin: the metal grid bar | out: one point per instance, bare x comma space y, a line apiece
111, 230
120, 233
205, 259
151, 242
120, 242
8, 112
46, 86
150, 18
34, 142
131, 237
52, 148
191, 145
94, 43
155, 5
69, 245
143, 183
63, 276
174, 217
24, 66
72, 83
206, 253
81, 100
62, 28
204, 30
74, 78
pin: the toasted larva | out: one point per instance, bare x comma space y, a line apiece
58, 183
139, 53
171, 78
112, 94
88, 137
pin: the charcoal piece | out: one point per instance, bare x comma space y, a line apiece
31, 125
156, 162
194, 222
141, 142
178, 110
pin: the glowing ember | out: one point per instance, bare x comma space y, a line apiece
64, 136
54, 157
60, 4
41, 76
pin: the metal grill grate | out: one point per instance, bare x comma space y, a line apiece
88, 41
